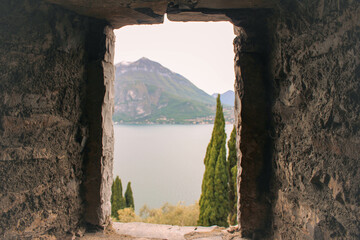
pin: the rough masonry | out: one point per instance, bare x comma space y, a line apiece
51, 61
315, 75
297, 107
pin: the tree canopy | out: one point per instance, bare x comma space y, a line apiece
232, 171
214, 200
117, 200
129, 199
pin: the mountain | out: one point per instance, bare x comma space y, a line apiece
147, 93
227, 97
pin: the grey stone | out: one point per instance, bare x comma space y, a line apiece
297, 108
127, 12
44, 120
315, 112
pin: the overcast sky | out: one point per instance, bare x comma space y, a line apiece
200, 51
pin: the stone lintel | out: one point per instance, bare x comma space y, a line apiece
192, 16
226, 4
118, 13
131, 12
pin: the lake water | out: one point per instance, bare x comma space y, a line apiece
163, 162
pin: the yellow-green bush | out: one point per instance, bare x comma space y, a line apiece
171, 214
128, 215
179, 214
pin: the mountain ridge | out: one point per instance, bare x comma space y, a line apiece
147, 92
149, 66
227, 97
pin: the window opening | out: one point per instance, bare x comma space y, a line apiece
159, 146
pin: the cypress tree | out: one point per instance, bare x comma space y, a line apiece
129, 200
117, 200
214, 200
232, 171
222, 189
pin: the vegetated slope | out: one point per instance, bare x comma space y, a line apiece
147, 92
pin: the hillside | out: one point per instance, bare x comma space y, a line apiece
146, 92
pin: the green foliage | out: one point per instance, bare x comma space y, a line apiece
221, 189
129, 200
172, 215
233, 206
117, 200
214, 200
232, 170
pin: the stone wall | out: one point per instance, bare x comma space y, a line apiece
99, 109
252, 109
298, 113
297, 108
315, 76
44, 118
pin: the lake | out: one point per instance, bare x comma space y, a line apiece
163, 162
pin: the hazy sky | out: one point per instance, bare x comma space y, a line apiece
200, 51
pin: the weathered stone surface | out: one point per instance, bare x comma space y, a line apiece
144, 231
316, 113
196, 16
119, 12
252, 122
157, 231
297, 104
312, 82
100, 146
43, 123
231, 4
127, 12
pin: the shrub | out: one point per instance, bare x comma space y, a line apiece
126, 215
179, 214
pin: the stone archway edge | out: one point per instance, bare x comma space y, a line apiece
125, 12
